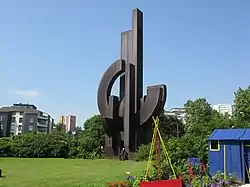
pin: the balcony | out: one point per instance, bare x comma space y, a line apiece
42, 130
41, 124
43, 117
13, 129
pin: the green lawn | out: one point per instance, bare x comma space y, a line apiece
29, 172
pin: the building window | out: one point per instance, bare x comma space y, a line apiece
31, 120
12, 127
20, 120
13, 119
1, 118
21, 113
19, 127
30, 128
214, 145
13, 113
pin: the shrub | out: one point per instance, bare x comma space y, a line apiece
58, 145
142, 153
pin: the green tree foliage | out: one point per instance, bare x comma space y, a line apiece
76, 133
85, 144
170, 126
201, 121
35, 145
242, 104
93, 134
198, 112
59, 127
182, 140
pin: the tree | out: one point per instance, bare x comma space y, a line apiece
199, 112
242, 104
77, 132
5, 147
57, 144
93, 134
170, 126
59, 128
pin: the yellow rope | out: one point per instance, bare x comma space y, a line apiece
150, 154
156, 130
167, 155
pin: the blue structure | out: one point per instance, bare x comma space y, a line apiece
194, 161
229, 152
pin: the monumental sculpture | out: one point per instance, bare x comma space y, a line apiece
128, 116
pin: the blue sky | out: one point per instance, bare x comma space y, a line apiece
53, 52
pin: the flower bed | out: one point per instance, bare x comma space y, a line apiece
135, 181
204, 180
217, 180
128, 181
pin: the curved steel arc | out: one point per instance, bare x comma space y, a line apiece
153, 102
106, 102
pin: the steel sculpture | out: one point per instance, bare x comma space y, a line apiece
128, 116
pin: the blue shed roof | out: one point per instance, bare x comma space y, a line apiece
246, 135
230, 134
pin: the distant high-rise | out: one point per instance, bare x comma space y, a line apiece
68, 122
62, 123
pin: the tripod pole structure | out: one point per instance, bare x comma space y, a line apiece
155, 145
158, 152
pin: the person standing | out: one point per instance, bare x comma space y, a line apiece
122, 153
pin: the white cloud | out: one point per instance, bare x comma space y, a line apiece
27, 93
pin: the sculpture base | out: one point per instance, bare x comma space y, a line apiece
115, 143
109, 152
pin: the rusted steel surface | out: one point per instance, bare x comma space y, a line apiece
130, 112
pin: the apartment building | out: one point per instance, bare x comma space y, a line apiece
21, 118
178, 113
68, 122
225, 109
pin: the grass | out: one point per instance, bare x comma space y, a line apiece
29, 172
